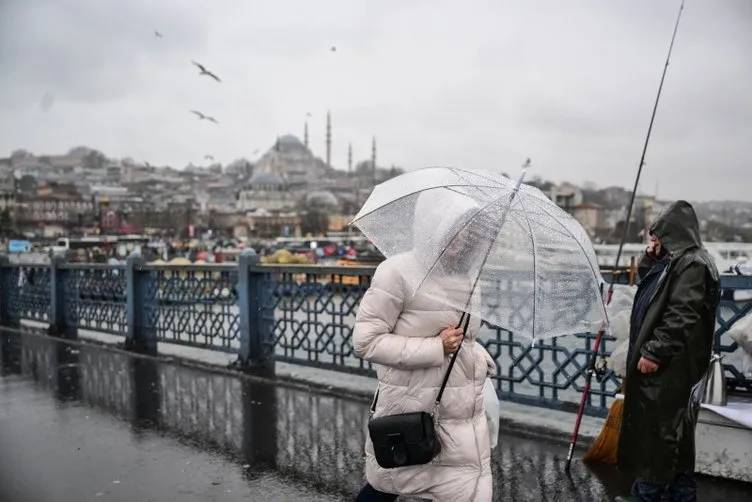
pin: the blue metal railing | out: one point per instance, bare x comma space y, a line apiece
302, 314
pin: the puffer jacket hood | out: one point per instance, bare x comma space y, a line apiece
439, 215
678, 228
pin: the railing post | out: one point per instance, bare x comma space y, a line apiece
141, 334
60, 301
256, 352
6, 286
5, 289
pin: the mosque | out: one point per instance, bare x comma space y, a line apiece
289, 175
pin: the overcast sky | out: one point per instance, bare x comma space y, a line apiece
472, 84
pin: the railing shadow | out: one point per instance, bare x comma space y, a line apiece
302, 434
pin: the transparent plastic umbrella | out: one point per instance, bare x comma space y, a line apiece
481, 243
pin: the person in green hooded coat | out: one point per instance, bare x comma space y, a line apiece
671, 337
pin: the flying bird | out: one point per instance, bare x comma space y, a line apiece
527, 163
208, 157
48, 99
333, 48
204, 71
201, 116
157, 34
308, 114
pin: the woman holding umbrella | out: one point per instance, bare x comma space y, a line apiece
410, 339
452, 236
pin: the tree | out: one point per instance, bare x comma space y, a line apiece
315, 222
6, 222
94, 160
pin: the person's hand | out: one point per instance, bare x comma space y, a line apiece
645, 365
451, 339
654, 246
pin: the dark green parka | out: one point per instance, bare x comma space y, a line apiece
657, 436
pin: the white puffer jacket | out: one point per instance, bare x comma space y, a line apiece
398, 332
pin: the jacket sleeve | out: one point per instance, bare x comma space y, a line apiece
373, 337
490, 363
682, 311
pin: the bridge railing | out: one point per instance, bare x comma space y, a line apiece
302, 314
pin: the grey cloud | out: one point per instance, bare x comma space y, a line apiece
481, 84
89, 51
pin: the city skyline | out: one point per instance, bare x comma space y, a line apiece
445, 86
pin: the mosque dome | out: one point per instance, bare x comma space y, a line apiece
321, 199
290, 144
266, 180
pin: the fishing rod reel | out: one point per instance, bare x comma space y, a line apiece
601, 369
597, 366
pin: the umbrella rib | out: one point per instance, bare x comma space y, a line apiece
592, 270
452, 189
468, 171
476, 173
535, 257
419, 191
457, 171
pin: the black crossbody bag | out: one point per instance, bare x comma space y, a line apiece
409, 438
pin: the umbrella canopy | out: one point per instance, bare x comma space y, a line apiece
484, 244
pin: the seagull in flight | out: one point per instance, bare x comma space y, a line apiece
333, 48
527, 163
201, 116
204, 71
157, 34
209, 157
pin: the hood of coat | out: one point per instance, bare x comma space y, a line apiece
441, 218
677, 228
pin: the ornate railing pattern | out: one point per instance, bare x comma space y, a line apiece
299, 314
97, 299
314, 315
29, 292
551, 372
729, 312
196, 306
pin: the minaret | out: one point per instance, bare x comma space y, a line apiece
328, 139
305, 134
373, 158
349, 158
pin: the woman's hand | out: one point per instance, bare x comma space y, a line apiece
645, 365
451, 338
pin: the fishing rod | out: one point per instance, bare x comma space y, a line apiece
598, 339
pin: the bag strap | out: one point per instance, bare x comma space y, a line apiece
466, 318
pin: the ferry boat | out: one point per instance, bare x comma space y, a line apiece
727, 255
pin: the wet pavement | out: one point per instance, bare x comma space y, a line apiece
80, 422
